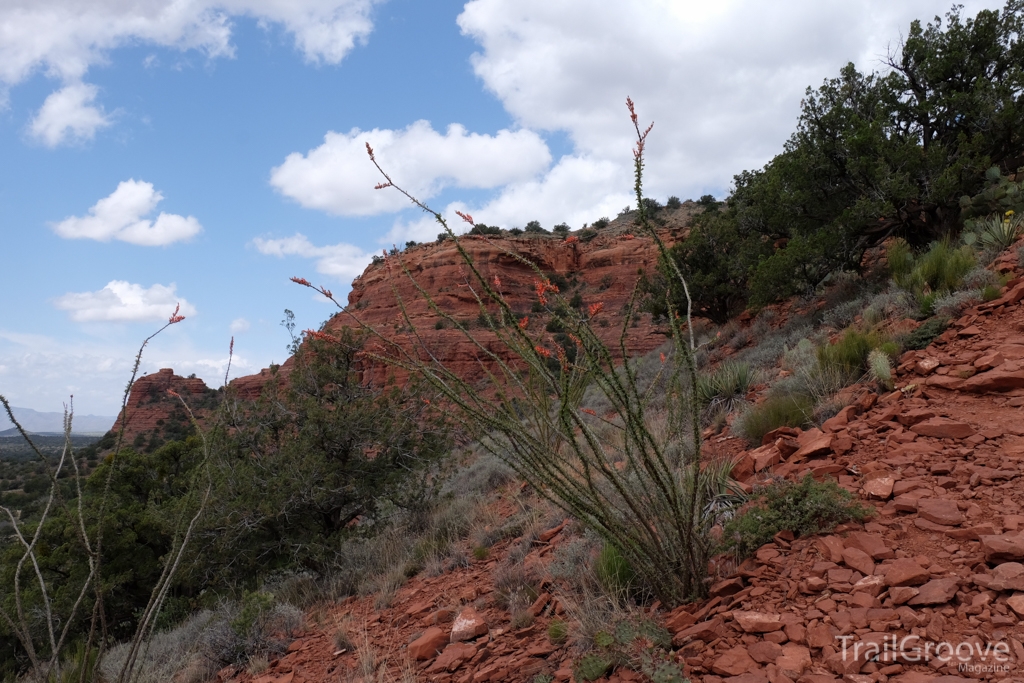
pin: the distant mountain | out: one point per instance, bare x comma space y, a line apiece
35, 421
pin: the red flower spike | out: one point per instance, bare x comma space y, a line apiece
575, 339
542, 351
369, 150
175, 318
497, 281
588, 411
466, 217
326, 292
662, 359
596, 308
321, 336
174, 393
381, 186
301, 281
427, 401
524, 322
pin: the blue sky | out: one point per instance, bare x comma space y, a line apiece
243, 122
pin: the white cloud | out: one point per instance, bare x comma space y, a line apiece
239, 325
338, 177
68, 115
722, 82
42, 372
120, 216
122, 301
341, 261
65, 37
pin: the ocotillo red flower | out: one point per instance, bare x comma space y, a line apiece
301, 281
175, 318
524, 322
466, 217
542, 351
596, 308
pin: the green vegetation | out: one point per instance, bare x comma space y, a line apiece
805, 508
789, 410
912, 151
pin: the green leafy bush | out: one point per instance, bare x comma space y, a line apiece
850, 354
806, 508
925, 333
787, 410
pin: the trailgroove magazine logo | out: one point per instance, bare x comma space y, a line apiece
970, 656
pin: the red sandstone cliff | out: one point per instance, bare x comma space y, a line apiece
154, 414
603, 270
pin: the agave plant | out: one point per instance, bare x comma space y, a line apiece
996, 233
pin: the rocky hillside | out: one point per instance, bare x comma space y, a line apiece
930, 588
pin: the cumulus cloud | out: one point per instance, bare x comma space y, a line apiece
121, 216
722, 82
64, 38
239, 325
341, 261
68, 115
338, 177
122, 301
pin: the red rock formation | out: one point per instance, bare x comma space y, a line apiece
601, 271
151, 408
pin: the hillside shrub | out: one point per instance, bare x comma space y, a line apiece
925, 333
788, 410
806, 508
849, 355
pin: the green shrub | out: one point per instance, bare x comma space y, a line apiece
722, 387
558, 631
850, 354
481, 552
793, 410
806, 508
990, 293
925, 333
614, 572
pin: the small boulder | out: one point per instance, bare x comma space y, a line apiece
764, 652
1009, 576
757, 622
428, 645
935, 592
940, 511
468, 625
943, 428
734, 662
906, 572
1003, 548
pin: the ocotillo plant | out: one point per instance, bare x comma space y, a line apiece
633, 475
